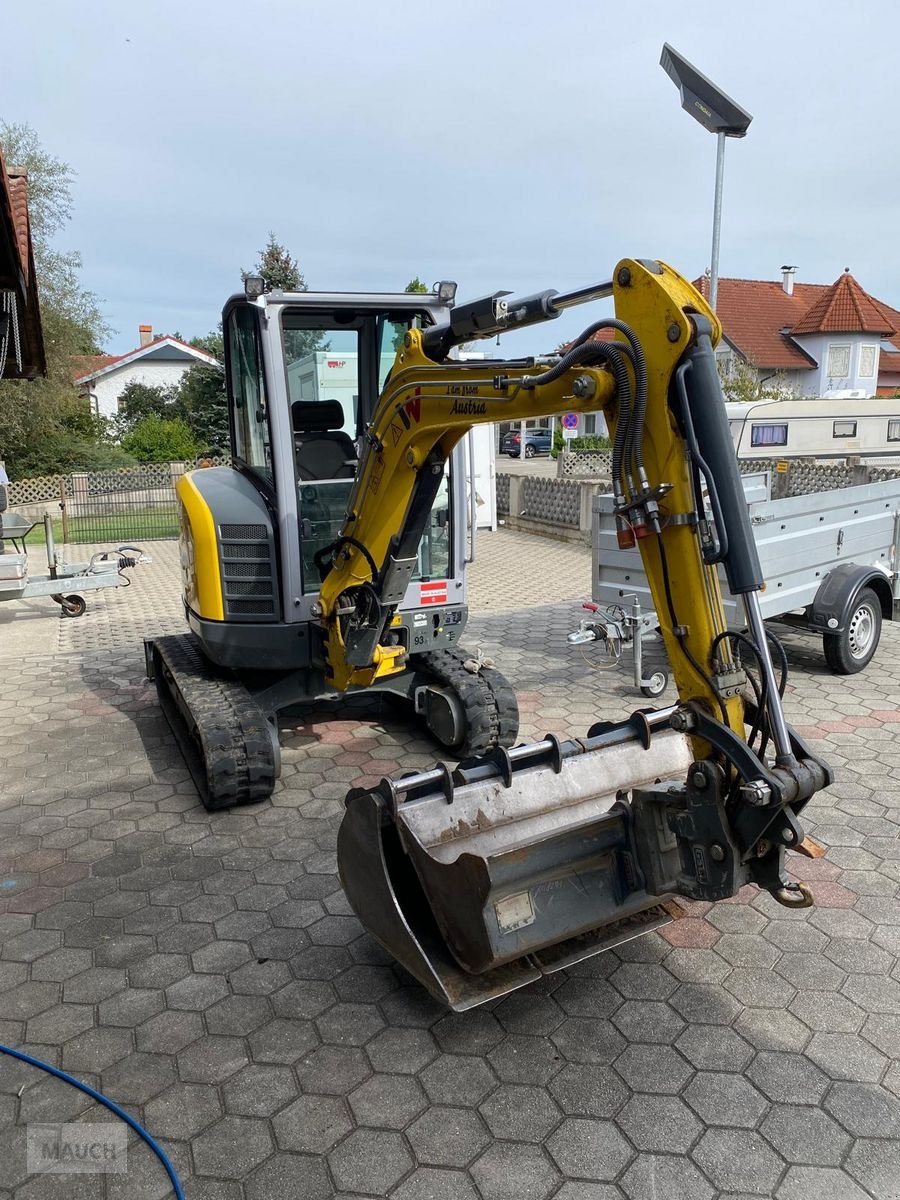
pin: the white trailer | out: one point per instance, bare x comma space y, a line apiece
831, 561
835, 428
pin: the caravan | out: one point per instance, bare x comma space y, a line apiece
833, 428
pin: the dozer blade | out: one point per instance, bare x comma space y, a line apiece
513, 866
228, 746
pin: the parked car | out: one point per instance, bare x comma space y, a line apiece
537, 441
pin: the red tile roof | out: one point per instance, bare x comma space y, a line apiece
845, 307
93, 364
755, 315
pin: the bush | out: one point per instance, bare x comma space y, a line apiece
559, 441
155, 439
594, 442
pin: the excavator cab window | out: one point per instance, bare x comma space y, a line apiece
252, 439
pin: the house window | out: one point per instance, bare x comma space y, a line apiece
893, 431
768, 435
867, 357
844, 429
839, 361
590, 424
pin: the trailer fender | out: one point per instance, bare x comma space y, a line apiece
830, 610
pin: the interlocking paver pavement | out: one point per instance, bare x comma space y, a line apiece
204, 969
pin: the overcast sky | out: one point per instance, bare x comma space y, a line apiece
505, 145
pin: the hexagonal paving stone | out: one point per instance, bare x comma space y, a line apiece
811, 972
212, 1059
847, 1056
643, 981
787, 1078
819, 1183
95, 1050
767, 1029
457, 1079
434, 1183
737, 1160
238, 1015
169, 1032
282, 1041
58, 1024
827, 1011
282, 1177
874, 993
520, 1114
333, 1070
182, 1111
725, 1099
587, 998
589, 1149
714, 1048
508, 1171
588, 1090
528, 1012
349, 1024
388, 1100
876, 1165
806, 1136
757, 987
447, 1137
370, 1160
660, 1123
404, 1051
653, 1068
137, 1078
196, 992
232, 1147
312, 1124
534, 1060
704, 1004
258, 1091
654, 1176
582, 1041
131, 1007
648, 1021
474, 1032
865, 1110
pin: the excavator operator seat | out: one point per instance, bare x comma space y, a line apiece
324, 450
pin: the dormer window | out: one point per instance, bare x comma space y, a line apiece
838, 361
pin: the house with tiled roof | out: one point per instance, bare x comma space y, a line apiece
21, 338
809, 339
157, 362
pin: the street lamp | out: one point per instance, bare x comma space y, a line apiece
719, 114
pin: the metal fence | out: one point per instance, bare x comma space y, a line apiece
131, 504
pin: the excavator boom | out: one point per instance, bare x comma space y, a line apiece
480, 878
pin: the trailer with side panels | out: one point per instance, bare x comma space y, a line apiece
831, 561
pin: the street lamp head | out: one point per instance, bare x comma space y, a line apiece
701, 98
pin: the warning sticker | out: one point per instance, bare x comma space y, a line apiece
433, 593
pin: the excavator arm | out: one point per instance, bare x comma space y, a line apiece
482, 877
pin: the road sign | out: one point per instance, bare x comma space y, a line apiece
570, 421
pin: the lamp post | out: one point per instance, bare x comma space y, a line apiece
720, 115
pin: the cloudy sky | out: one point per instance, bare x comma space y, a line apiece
506, 145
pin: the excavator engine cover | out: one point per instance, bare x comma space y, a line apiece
480, 881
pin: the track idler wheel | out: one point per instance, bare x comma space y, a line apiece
473, 709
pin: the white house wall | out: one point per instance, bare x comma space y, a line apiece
108, 388
819, 382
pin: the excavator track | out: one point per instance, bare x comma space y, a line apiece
228, 745
486, 695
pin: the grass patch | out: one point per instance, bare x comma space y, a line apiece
114, 528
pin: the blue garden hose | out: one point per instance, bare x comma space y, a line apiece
107, 1103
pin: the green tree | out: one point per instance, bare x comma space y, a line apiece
280, 271
741, 383
138, 401
416, 285
44, 426
202, 404
157, 439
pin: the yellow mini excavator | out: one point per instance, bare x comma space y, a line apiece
330, 559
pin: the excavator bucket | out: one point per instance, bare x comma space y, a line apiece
480, 880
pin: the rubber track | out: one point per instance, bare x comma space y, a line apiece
223, 734
487, 697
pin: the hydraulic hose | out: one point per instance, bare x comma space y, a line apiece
107, 1103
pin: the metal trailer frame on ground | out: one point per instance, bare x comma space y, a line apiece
825, 555
16, 584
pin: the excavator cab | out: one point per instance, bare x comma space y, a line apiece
304, 374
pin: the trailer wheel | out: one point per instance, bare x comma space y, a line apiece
852, 649
655, 685
73, 606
